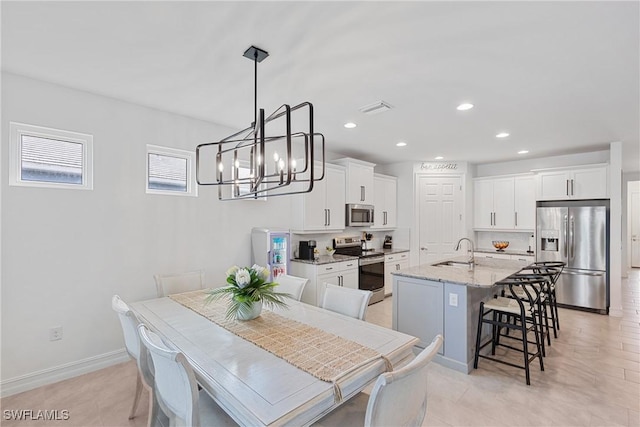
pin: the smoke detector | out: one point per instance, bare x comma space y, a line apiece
376, 108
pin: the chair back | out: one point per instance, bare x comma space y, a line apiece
399, 398
291, 285
129, 323
347, 301
175, 384
169, 284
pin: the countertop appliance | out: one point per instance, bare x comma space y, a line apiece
388, 242
306, 249
370, 265
359, 215
577, 233
272, 249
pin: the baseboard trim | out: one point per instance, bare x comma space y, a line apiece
58, 373
615, 312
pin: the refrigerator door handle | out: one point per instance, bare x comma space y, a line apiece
584, 273
565, 227
572, 237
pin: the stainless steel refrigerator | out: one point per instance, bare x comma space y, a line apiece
577, 233
271, 249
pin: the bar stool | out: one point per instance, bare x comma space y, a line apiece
558, 266
520, 315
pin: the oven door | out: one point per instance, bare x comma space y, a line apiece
371, 273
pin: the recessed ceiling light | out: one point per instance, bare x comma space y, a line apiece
401, 144
502, 135
464, 107
523, 151
439, 158
350, 125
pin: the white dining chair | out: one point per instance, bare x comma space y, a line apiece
398, 398
347, 301
129, 323
291, 285
168, 284
176, 387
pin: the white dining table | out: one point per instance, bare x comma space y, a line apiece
257, 388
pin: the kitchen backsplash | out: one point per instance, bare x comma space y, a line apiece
517, 241
400, 238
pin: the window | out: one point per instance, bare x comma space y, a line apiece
170, 171
45, 157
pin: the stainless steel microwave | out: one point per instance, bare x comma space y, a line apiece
359, 215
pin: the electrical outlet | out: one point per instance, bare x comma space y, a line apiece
453, 300
55, 334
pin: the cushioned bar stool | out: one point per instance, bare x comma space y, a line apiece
515, 313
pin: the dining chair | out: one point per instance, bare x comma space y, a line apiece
347, 301
168, 284
176, 387
291, 285
398, 398
139, 353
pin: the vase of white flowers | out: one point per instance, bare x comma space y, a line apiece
248, 290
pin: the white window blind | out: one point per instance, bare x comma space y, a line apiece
167, 173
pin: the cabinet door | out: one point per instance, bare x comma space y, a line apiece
385, 190
418, 308
503, 198
391, 203
350, 278
525, 203
335, 199
321, 279
483, 204
313, 212
553, 185
591, 183
379, 202
360, 184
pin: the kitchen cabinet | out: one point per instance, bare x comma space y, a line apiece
322, 209
523, 259
588, 182
359, 181
504, 203
493, 203
385, 189
393, 262
343, 273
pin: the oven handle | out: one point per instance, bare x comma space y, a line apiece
369, 261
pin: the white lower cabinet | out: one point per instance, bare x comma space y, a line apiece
393, 262
344, 273
524, 259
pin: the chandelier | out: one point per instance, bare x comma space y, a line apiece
274, 156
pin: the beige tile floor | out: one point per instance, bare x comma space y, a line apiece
591, 378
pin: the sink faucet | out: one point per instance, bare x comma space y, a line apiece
471, 259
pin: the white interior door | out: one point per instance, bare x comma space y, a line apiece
635, 229
440, 216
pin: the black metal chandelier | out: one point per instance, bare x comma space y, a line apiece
240, 164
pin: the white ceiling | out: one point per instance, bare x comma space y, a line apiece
561, 77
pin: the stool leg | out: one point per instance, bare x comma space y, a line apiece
525, 347
539, 342
480, 317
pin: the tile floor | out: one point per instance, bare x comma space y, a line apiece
591, 378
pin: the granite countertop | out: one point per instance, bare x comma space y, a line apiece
485, 273
326, 259
506, 252
393, 251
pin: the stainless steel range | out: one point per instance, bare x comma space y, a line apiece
370, 265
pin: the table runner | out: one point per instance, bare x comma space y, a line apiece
322, 354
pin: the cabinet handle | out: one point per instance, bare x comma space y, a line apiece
516, 213
328, 216
423, 249
362, 192
572, 188
567, 181
491, 218
329, 268
349, 265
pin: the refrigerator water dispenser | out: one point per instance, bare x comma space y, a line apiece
549, 240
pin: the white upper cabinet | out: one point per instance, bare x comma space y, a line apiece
359, 183
504, 203
493, 203
385, 204
323, 209
589, 182
525, 202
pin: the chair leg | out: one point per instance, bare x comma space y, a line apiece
136, 398
478, 335
525, 347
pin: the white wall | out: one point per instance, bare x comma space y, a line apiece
630, 182
66, 252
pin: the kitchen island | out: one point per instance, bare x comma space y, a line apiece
444, 298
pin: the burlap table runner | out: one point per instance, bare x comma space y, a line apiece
324, 355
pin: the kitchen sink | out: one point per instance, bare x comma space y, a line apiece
452, 264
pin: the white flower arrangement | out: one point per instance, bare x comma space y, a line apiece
247, 285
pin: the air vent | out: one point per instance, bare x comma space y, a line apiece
376, 108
